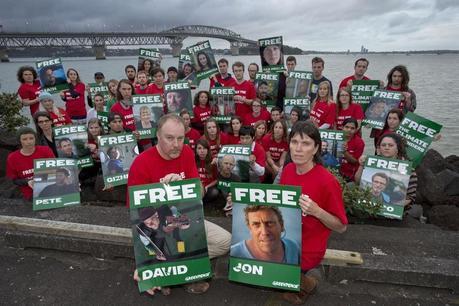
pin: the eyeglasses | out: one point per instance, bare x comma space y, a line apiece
344, 95
43, 121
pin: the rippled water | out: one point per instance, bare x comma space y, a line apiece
434, 78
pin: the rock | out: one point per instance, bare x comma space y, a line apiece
452, 189
8, 189
453, 161
450, 180
116, 196
444, 216
433, 161
430, 188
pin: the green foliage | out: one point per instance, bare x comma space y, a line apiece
10, 113
358, 202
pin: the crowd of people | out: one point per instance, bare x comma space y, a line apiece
286, 148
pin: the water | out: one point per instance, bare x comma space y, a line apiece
434, 78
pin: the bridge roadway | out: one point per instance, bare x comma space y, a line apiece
100, 40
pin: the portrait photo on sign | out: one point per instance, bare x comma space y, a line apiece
73, 145
233, 168
55, 182
388, 187
266, 233
332, 152
147, 115
177, 100
168, 233
222, 105
51, 76
117, 159
204, 60
271, 56
297, 88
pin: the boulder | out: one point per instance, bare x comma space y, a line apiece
433, 161
430, 187
115, 196
450, 181
453, 161
444, 216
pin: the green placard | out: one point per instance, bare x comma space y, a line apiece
72, 142
178, 97
362, 91
419, 133
147, 110
56, 183
101, 88
381, 103
169, 236
266, 85
203, 60
222, 104
103, 117
298, 84
52, 75
332, 147
233, 165
388, 181
272, 54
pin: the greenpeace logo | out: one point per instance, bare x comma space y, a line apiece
285, 285
199, 276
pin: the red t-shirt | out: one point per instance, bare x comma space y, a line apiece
139, 90
247, 90
30, 92
323, 188
274, 148
192, 136
201, 114
346, 79
64, 119
214, 148
149, 167
75, 106
126, 115
20, 166
355, 147
323, 112
260, 154
354, 111
249, 119
233, 139
153, 89
206, 177
227, 82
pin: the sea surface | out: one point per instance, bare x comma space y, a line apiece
434, 78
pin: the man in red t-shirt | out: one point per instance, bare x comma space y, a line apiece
258, 113
222, 79
141, 87
30, 88
321, 203
171, 161
353, 149
245, 91
360, 67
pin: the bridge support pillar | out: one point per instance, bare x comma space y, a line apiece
234, 50
99, 50
176, 49
4, 55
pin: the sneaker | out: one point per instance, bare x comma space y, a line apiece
197, 287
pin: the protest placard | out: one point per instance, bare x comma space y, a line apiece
388, 181
170, 244
298, 84
178, 97
203, 60
55, 183
222, 104
152, 56
99, 88
186, 69
302, 103
72, 142
272, 54
332, 147
52, 75
233, 163
362, 91
147, 110
381, 103
117, 152
267, 85
273, 262
103, 117
419, 133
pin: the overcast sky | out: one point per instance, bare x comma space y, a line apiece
326, 25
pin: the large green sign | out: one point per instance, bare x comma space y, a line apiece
362, 91
72, 142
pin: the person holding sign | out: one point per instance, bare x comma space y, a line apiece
141, 87
266, 226
44, 127
317, 66
245, 90
214, 136
233, 131
171, 161
19, 163
353, 149
323, 109
393, 119
123, 107
74, 97
201, 110
223, 78
360, 67
258, 156
397, 80
192, 135
130, 72
207, 171
258, 113
99, 106
276, 147
157, 87
346, 108
30, 88
322, 212
393, 146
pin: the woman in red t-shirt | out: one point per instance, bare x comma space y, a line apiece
323, 108
58, 115
207, 171
30, 87
74, 97
345, 108
214, 137
260, 128
393, 119
112, 91
276, 147
234, 127
201, 110
44, 127
293, 117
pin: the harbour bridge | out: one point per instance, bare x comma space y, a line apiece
100, 40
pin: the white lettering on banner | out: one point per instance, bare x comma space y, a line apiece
300, 75
222, 91
54, 163
284, 197
390, 165
146, 99
389, 95
48, 201
149, 53
175, 86
116, 140
166, 193
117, 178
199, 276
286, 285
364, 87
248, 269
419, 127
301, 102
266, 76
164, 271
48, 63
198, 48
271, 41
331, 135
235, 150
69, 129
